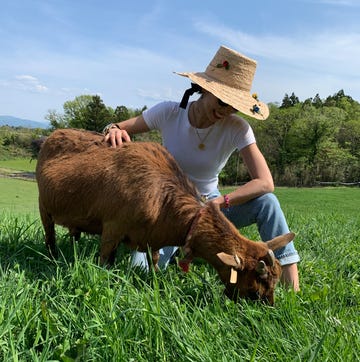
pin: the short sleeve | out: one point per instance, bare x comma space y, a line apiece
156, 116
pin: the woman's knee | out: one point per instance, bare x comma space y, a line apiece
270, 214
268, 203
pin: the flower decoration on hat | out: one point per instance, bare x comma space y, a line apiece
256, 109
225, 64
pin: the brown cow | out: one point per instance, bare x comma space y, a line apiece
137, 194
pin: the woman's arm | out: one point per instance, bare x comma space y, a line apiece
121, 131
261, 179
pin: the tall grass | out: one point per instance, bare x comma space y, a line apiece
74, 310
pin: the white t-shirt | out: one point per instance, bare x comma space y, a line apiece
182, 141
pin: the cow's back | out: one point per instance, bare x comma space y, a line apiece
69, 141
84, 183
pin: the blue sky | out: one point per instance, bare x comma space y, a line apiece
126, 51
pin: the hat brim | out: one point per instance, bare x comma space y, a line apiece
242, 101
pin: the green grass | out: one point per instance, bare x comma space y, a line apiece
18, 196
74, 310
19, 164
327, 200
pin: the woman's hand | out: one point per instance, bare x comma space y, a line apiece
116, 136
118, 133
218, 201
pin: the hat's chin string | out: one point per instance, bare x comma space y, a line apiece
189, 92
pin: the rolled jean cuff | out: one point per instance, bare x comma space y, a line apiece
287, 254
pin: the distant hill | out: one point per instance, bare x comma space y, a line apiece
19, 122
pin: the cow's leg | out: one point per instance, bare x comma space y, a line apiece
153, 259
108, 247
49, 228
108, 252
74, 234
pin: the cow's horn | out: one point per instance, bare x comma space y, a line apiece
237, 260
270, 258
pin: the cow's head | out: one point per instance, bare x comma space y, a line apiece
255, 274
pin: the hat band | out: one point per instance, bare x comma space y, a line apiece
189, 92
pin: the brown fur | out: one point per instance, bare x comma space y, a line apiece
137, 194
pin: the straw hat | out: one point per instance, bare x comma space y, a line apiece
229, 77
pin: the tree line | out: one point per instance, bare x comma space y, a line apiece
312, 141
304, 142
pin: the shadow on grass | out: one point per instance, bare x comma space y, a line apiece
22, 248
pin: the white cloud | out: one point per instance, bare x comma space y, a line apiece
26, 78
158, 94
328, 51
133, 64
26, 83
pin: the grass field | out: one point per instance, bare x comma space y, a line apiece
74, 310
18, 197
18, 164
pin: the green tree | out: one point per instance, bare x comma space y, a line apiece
317, 101
96, 116
89, 112
333, 163
294, 99
75, 111
137, 111
286, 102
56, 120
303, 142
313, 127
73, 116
274, 137
234, 172
291, 101
337, 99
349, 136
121, 114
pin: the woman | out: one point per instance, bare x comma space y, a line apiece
202, 135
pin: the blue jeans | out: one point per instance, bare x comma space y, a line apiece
264, 210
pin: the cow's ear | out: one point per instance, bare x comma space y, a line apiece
280, 241
231, 260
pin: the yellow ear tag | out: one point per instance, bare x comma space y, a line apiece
233, 276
